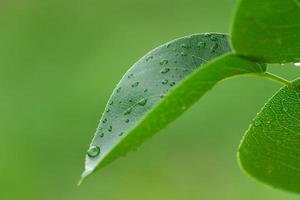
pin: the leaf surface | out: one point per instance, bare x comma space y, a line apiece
270, 150
157, 89
267, 30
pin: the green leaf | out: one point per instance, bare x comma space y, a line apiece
270, 150
157, 89
267, 30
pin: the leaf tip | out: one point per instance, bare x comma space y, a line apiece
80, 181
84, 175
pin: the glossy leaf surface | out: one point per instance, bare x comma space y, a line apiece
157, 89
267, 30
271, 147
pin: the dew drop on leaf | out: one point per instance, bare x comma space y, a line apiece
149, 58
128, 111
164, 82
213, 38
104, 121
127, 120
163, 62
183, 53
110, 128
135, 84
93, 151
143, 102
201, 45
165, 70
214, 48
184, 46
172, 83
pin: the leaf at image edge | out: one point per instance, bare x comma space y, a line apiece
270, 149
267, 30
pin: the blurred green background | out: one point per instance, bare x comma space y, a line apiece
59, 62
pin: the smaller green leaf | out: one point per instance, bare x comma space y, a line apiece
267, 30
270, 150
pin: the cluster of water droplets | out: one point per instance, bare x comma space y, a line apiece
181, 58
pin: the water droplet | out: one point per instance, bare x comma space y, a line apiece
163, 62
201, 45
162, 96
110, 128
130, 76
297, 64
135, 84
120, 134
149, 58
145, 90
108, 110
257, 122
183, 53
164, 82
111, 103
101, 135
130, 100
214, 48
93, 151
104, 120
127, 120
172, 83
165, 70
143, 102
168, 45
128, 111
184, 46
207, 34
213, 38
119, 89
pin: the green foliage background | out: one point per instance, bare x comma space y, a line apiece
59, 62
